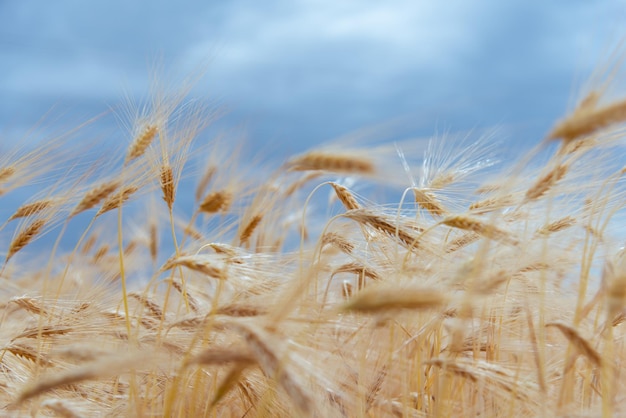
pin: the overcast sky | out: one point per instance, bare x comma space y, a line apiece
301, 72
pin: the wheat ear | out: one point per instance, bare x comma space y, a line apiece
25, 237
218, 201
167, 185
345, 196
337, 163
586, 121
141, 142
581, 344
95, 196
31, 208
374, 299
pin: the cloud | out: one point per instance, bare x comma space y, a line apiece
346, 63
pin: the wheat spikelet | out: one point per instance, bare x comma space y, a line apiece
581, 344
441, 180
336, 240
115, 200
98, 369
228, 382
25, 237
81, 307
429, 202
191, 300
31, 208
167, 185
95, 196
155, 310
589, 120
192, 323
345, 197
462, 241
221, 248
378, 298
491, 204
131, 247
406, 236
360, 270
29, 353
196, 264
544, 184
375, 388
6, 173
249, 229
29, 304
222, 356
239, 310
192, 232
337, 163
475, 370
44, 331
141, 142
154, 242
88, 245
216, 202
471, 224
100, 252
556, 226
580, 146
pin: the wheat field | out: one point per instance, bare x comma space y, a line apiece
358, 279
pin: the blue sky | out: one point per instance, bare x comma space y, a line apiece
295, 73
